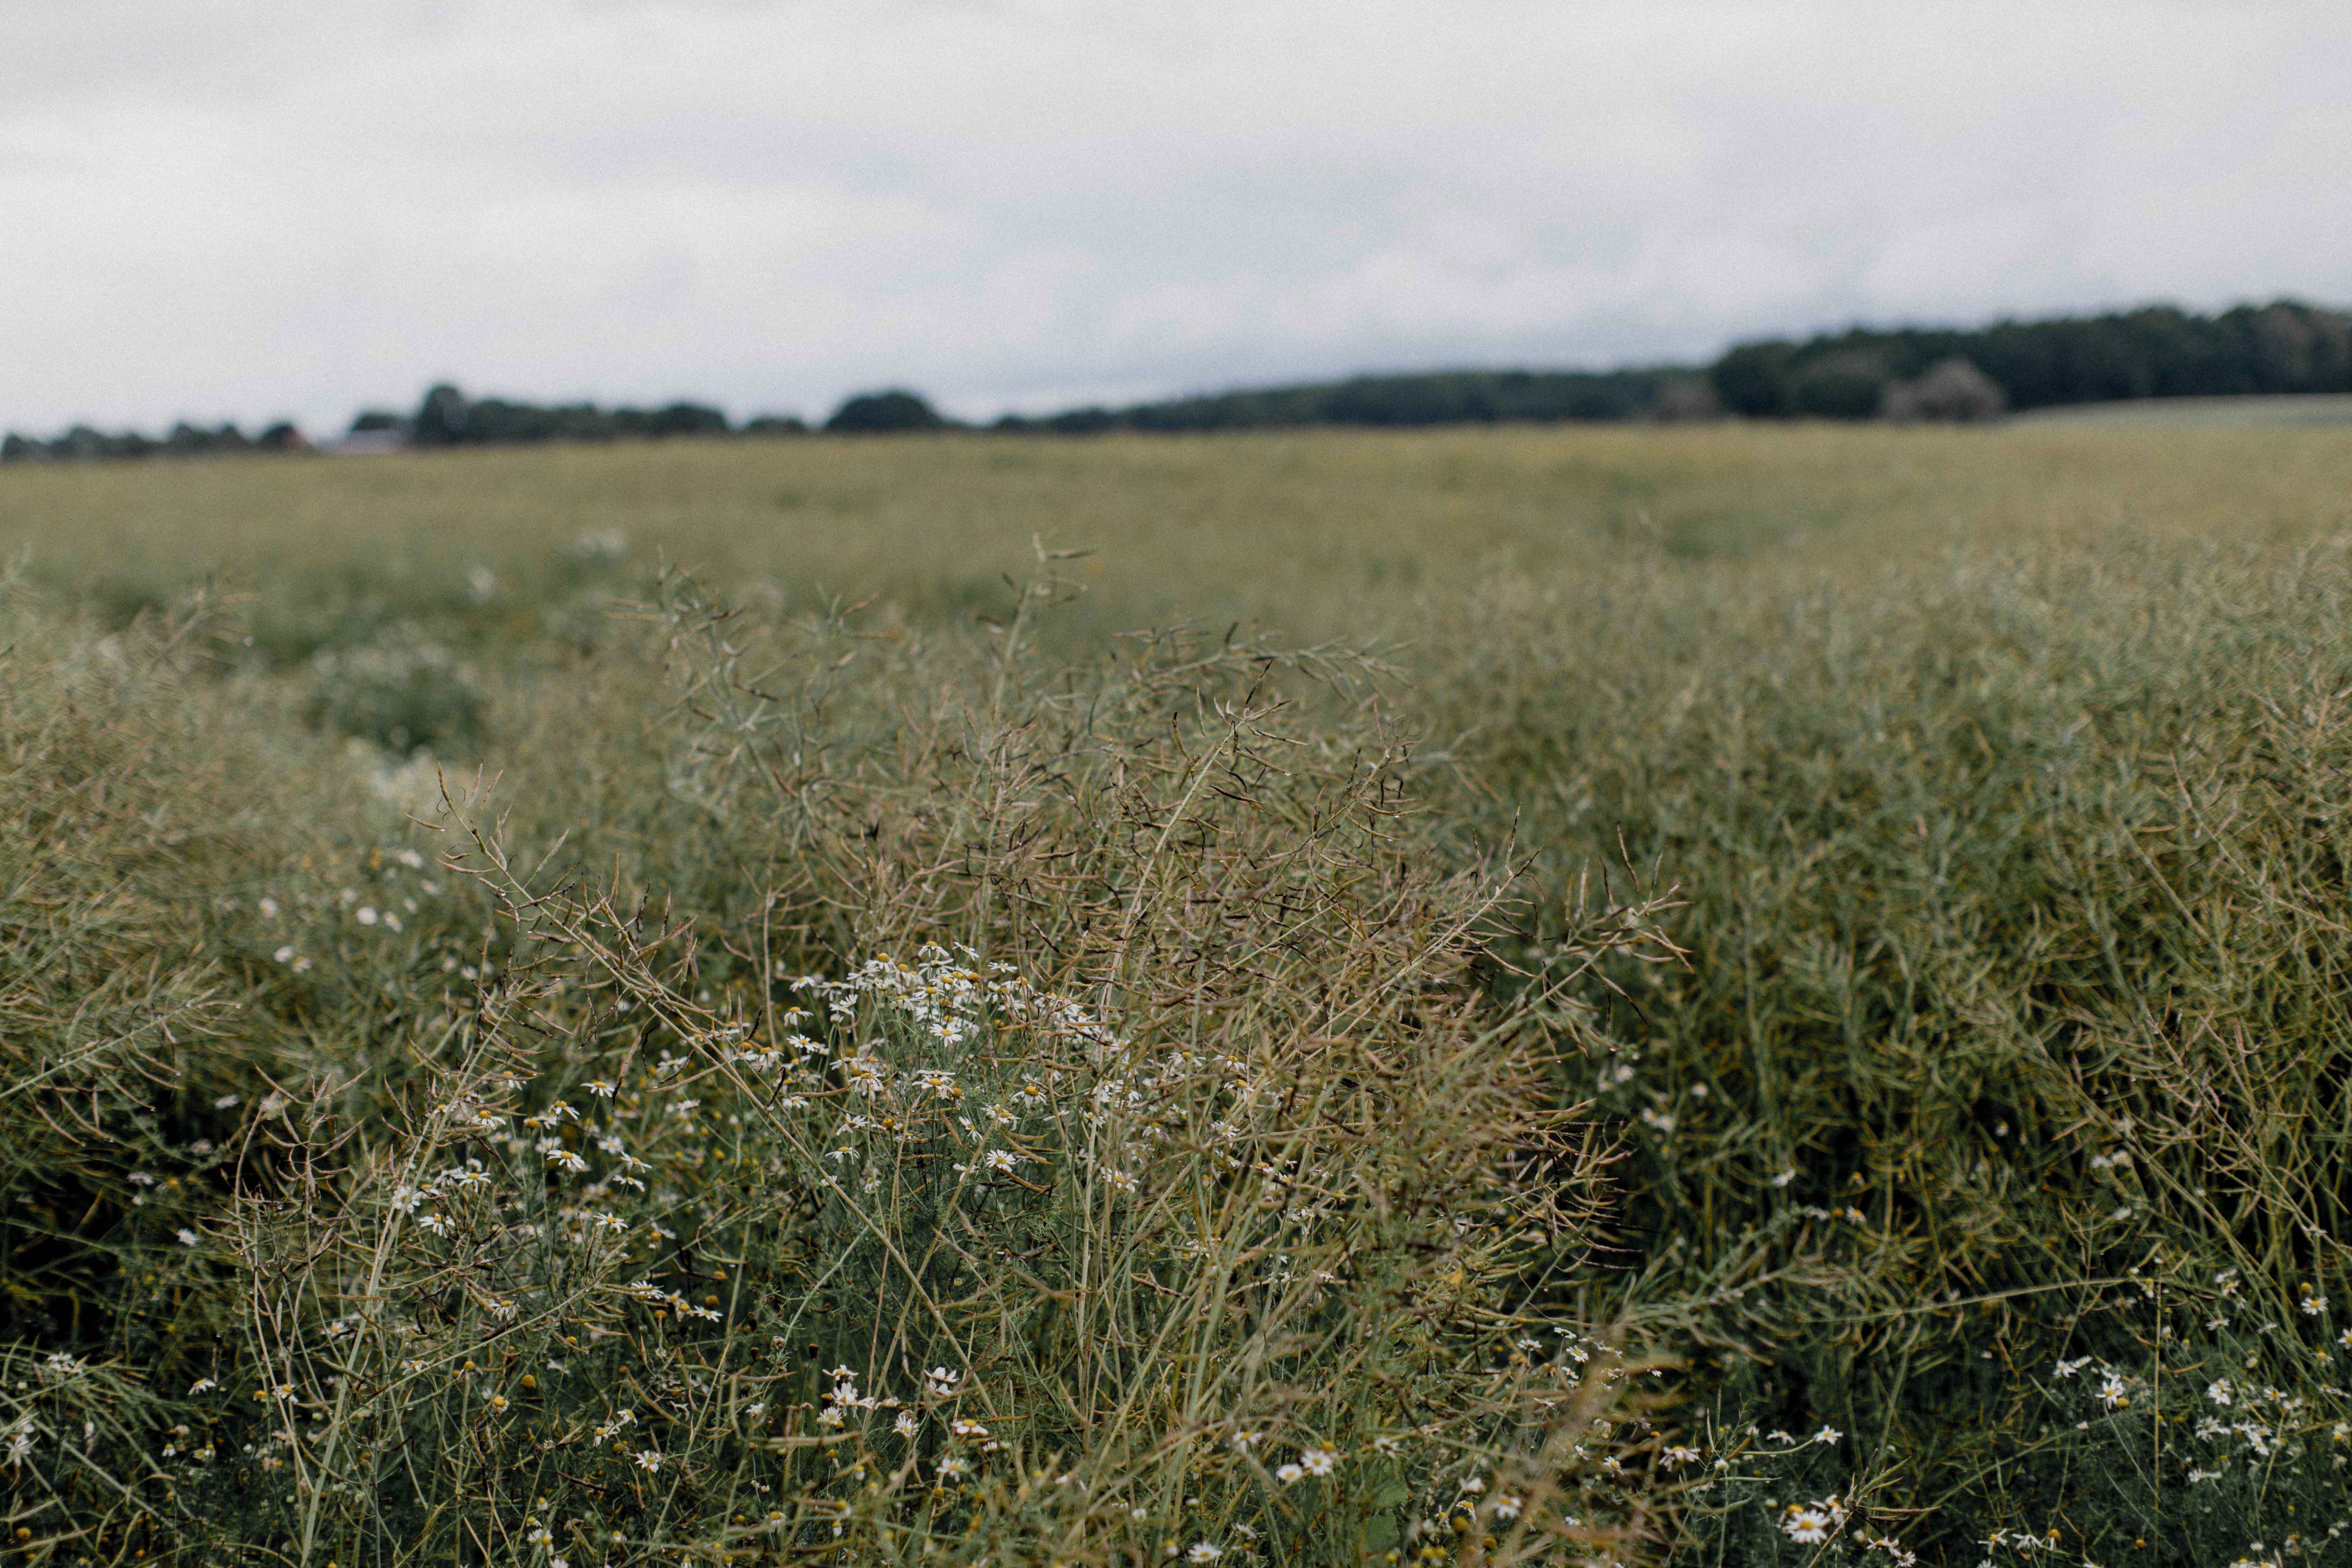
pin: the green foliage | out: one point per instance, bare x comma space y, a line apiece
2157, 351
447, 417
1988, 784
1849, 384
884, 412
1949, 389
775, 425
401, 691
2014, 988
1436, 397
408, 1182
84, 444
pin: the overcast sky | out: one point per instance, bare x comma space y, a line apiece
251, 209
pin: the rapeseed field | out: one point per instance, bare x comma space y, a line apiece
1728, 994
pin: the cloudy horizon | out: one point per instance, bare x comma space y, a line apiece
260, 209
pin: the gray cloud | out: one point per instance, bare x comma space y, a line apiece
259, 208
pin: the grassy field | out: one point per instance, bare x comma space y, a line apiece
1322, 534
2300, 408
1752, 994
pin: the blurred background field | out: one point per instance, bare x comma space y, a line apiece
1320, 533
1993, 782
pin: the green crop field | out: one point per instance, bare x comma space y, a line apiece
1321, 533
1740, 994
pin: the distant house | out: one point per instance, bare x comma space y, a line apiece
367, 441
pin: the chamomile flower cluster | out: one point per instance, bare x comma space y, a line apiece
620, 1241
383, 901
2235, 1393
1797, 1494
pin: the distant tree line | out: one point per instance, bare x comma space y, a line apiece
184, 440
1441, 397
1901, 373
447, 417
1906, 374
2159, 352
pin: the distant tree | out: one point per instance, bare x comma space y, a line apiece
1091, 420
442, 419
1683, 399
775, 425
1753, 380
1847, 384
690, 419
676, 419
2294, 348
282, 436
373, 420
191, 440
879, 413
1953, 390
